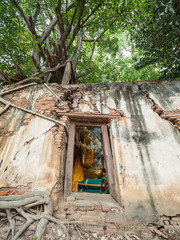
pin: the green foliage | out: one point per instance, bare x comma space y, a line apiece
115, 60
150, 53
159, 37
12, 48
28, 41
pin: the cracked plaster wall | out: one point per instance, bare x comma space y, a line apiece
165, 94
30, 146
146, 154
145, 147
30, 156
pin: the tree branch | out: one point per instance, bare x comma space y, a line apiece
48, 30
93, 49
4, 77
20, 70
78, 26
30, 24
89, 40
79, 44
65, 35
37, 11
81, 75
61, 26
89, 24
69, 27
59, 17
35, 63
52, 25
98, 38
47, 39
93, 11
26, 18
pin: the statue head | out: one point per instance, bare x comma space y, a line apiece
85, 135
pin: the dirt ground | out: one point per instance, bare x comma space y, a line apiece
100, 232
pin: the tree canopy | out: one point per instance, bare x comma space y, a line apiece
160, 37
106, 40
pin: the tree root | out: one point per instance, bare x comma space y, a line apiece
18, 208
20, 211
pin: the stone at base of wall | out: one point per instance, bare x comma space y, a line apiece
94, 208
115, 217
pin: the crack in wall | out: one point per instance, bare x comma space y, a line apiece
31, 140
174, 115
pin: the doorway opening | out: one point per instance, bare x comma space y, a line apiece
89, 167
103, 158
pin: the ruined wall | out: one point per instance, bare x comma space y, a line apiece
30, 147
145, 146
146, 154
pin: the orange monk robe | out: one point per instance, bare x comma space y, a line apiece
79, 171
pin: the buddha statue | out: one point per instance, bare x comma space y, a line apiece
83, 167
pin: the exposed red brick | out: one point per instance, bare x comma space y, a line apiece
106, 209
3, 193
59, 133
19, 190
21, 103
85, 102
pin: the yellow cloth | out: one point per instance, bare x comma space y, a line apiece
79, 171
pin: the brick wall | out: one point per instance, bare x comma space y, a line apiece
19, 190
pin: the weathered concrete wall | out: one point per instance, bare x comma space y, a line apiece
30, 146
145, 147
146, 154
